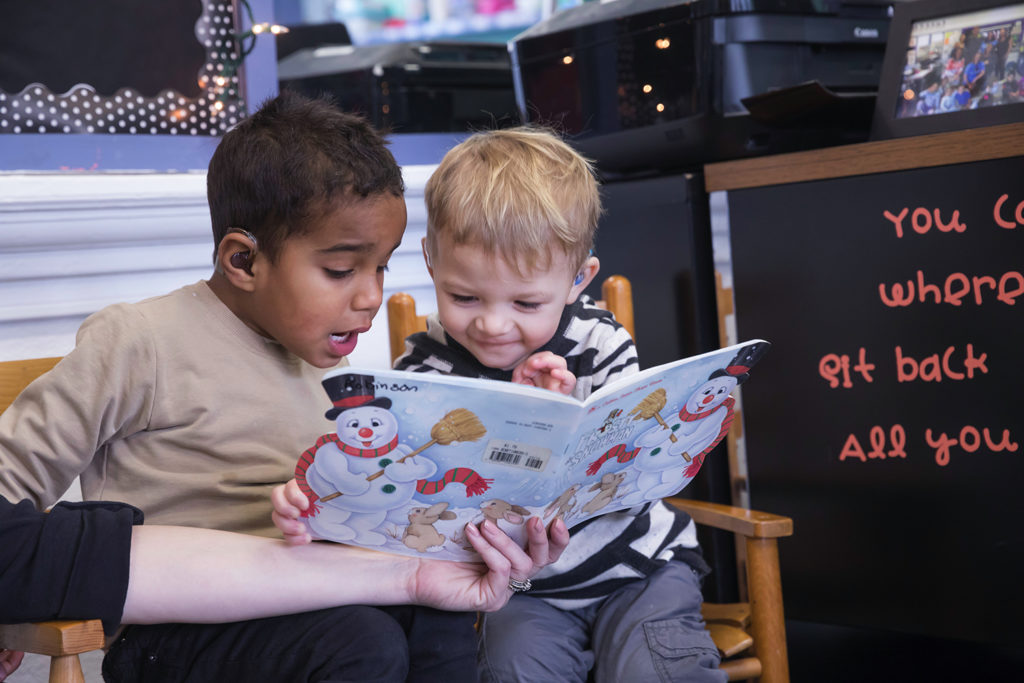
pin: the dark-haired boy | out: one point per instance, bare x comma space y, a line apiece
192, 406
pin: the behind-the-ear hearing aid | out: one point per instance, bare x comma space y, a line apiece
580, 276
243, 259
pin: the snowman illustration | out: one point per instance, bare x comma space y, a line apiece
361, 476
661, 453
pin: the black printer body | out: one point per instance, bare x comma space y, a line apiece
410, 87
663, 83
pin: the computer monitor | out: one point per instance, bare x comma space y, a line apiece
951, 65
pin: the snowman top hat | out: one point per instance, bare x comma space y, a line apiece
744, 359
351, 391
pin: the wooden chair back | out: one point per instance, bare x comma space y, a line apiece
616, 296
61, 641
15, 375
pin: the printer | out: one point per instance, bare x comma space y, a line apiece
410, 87
660, 84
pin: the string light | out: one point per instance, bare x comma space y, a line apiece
246, 42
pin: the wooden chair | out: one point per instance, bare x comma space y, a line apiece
616, 292
61, 641
750, 636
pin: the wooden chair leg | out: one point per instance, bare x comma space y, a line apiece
767, 622
66, 669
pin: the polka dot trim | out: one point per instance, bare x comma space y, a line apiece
81, 110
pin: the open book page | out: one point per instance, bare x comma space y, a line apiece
407, 459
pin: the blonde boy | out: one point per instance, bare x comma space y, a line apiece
510, 230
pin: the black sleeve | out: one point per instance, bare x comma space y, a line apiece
70, 563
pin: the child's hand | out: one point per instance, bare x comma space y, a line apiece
10, 660
547, 371
289, 502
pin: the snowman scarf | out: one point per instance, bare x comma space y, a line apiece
622, 454
474, 483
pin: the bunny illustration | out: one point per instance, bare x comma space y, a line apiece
496, 510
608, 486
420, 534
564, 504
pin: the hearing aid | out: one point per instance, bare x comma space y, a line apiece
242, 259
580, 276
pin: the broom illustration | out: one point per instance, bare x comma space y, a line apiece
457, 425
650, 407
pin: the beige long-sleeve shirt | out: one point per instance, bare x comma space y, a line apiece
173, 405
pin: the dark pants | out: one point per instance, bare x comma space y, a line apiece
358, 643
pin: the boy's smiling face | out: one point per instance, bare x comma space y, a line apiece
326, 285
501, 317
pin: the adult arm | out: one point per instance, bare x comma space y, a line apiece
87, 560
70, 563
181, 574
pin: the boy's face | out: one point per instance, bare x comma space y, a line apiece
499, 316
327, 284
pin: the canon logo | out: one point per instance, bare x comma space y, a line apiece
859, 32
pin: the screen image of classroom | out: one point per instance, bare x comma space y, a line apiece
962, 62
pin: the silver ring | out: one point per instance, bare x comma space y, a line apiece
517, 586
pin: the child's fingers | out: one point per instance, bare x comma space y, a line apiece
10, 660
546, 361
568, 380
288, 499
287, 525
520, 374
523, 374
561, 380
298, 539
294, 531
282, 506
295, 495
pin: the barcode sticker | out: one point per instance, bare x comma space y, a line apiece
515, 454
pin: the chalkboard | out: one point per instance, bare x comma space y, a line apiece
887, 420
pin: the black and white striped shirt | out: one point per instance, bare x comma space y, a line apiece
607, 551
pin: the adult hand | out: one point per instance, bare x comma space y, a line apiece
10, 660
466, 586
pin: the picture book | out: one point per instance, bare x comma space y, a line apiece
413, 457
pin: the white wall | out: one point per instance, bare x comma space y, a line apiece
71, 244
